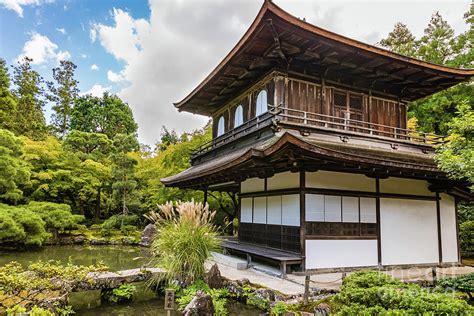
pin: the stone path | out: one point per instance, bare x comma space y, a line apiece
109, 279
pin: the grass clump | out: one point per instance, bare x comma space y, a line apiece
185, 239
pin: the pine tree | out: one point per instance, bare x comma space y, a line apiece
437, 41
7, 99
63, 95
400, 40
29, 116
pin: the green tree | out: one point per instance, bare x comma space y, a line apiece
456, 157
108, 115
401, 40
436, 45
7, 99
123, 172
62, 94
29, 94
13, 171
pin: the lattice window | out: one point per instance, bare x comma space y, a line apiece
339, 99
355, 102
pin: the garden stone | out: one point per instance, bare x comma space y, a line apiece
200, 305
243, 282
147, 235
322, 309
306, 314
265, 294
98, 242
78, 239
214, 278
235, 289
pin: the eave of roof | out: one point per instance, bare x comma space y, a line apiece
270, 7
343, 153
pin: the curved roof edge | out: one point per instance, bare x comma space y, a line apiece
269, 6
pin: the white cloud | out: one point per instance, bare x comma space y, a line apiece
61, 30
83, 55
17, 5
115, 77
42, 50
94, 67
96, 90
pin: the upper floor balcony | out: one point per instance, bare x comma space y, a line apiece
342, 126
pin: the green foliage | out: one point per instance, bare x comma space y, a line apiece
62, 94
38, 311
279, 309
374, 293
8, 102
466, 237
14, 310
126, 223
456, 157
13, 278
20, 226
13, 171
185, 240
464, 284
29, 115
121, 294
219, 296
57, 217
108, 115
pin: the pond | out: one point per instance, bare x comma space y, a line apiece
145, 302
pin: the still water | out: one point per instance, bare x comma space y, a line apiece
145, 302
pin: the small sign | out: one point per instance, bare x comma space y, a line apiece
169, 299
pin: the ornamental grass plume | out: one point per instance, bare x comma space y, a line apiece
185, 239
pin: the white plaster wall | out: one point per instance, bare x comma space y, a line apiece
339, 181
274, 210
246, 210
340, 253
260, 210
290, 210
408, 231
252, 185
405, 186
284, 180
449, 241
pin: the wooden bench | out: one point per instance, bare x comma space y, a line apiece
284, 258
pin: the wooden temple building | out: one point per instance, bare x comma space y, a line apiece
310, 127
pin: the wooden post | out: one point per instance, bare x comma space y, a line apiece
205, 197
438, 224
306, 289
435, 279
377, 215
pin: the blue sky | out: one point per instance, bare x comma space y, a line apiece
152, 53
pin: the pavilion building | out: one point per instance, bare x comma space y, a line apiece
310, 128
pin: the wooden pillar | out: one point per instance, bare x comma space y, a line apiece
438, 222
205, 196
303, 219
377, 215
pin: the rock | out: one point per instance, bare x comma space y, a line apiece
78, 239
243, 282
147, 235
235, 289
98, 242
214, 278
322, 309
265, 294
306, 314
200, 305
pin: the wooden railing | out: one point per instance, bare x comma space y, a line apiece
346, 123
251, 125
310, 119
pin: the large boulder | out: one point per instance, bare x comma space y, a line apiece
214, 278
200, 305
147, 235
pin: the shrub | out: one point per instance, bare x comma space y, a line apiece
118, 221
466, 237
57, 217
374, 293
20, 226
121, 294
464, 284
185, 240
279, 309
